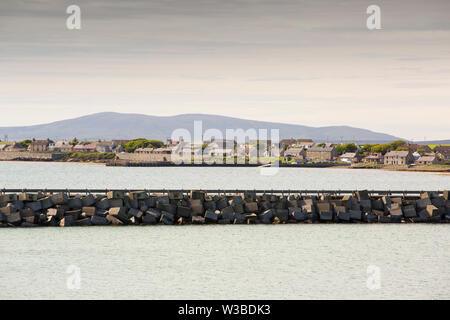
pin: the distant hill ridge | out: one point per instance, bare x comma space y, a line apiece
112, 125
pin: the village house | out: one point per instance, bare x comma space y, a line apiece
296, 154
321, 154
39, 145
374, 158
350, 157
60, 146
16, 146
442, 152
398, 158
427, 160
86, 148
105, 146
297, 143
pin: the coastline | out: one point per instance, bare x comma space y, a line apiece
429, 169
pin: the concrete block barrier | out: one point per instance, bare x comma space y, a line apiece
118, 207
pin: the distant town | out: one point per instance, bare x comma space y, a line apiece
289, 152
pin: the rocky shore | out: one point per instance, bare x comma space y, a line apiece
29, 209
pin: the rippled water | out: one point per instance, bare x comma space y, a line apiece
227, 262
301, 261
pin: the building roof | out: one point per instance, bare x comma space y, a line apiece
293, 151
321, 149
426, 158
397, 154
349, 155
40, 142
374, 156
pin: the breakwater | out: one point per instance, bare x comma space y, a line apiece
29, 208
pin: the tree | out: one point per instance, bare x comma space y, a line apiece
74, 142
142, 143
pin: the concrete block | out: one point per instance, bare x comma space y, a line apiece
227, 213
154, 212
239, 219
9, 209
171, 208
432, 210
55, 212
88, 211
103, 204
88, 200
326, 215
74, 213
149, 219
378, 204
223, 221
251, 207
82, 222
59, 198
250, 196
27, 212
167, 218
14, 218
282, 214
35, 205
267, 216
2, 217
371, 218
423, 203
150, 202
362, 195
251, 218
438, 202
221, 203
114, 211
18, 204
198, 220
115, 203
99, 221
101, 213
8, 197
366, 205
135, 213
29, 219
297, 213
355, 215
409, 211
384, 219
184, 212
211, 216
386, 201
137, 195
197, 194
113, 220
209, 205
67, 221
344, 216
238, 207
25, 196
115, 195
75, 203
174, 195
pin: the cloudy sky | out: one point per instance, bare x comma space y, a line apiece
307, 62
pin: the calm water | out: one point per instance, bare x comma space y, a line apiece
226, 262
222, 262
70, 175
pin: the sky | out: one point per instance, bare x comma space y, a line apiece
304, 62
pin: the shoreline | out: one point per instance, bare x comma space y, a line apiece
428, 169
